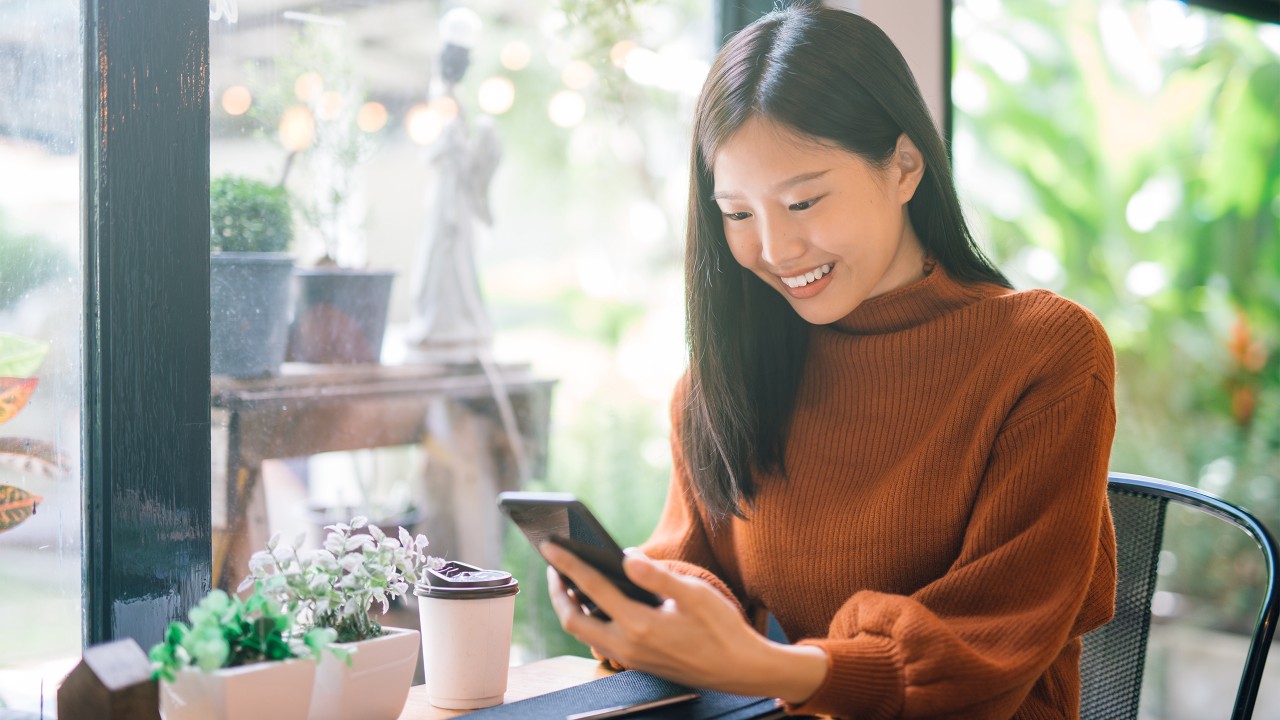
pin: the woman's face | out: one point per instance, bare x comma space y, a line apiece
816, 222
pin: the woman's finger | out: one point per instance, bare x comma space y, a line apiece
655, 578
572, 618
590, 582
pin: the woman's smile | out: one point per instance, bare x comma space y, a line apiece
806, 285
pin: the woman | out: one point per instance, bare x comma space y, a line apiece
878, 441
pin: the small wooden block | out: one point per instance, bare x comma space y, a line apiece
112, 682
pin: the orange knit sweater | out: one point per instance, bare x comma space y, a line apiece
943, 533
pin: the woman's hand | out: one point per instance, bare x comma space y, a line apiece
696, 637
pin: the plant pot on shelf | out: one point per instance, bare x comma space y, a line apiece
340, 315
376, 683
248, 312
262, 691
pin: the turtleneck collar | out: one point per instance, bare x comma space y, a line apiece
931, 297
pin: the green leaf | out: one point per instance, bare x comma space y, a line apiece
16, 505
19, 356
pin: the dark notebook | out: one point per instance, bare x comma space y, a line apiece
628, 688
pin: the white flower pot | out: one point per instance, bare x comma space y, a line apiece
375, 685
262, 691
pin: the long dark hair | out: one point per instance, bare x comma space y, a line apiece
836, 77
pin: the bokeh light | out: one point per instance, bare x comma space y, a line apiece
297, 128
425, 122
236, 100
308, 86
567, 108
371, 117
619, 52
577, 75
515, 55
496, 95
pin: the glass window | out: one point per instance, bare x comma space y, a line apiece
486, 205
1124, 154
41, 332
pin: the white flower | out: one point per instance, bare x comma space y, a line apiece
358, 522
377, 533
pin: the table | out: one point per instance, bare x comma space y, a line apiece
524, 681
310, 409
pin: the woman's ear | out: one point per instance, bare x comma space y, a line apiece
910, 164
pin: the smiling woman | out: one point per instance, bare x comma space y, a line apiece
877, 441
834, 219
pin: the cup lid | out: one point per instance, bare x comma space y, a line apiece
459, 581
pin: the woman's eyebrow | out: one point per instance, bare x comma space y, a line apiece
789, 182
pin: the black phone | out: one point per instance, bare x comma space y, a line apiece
562, 519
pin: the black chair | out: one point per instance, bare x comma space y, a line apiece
1114, 654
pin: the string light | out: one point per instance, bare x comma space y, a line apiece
236, 100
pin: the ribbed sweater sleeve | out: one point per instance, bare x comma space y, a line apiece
973, 642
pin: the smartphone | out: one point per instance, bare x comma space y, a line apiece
562, 519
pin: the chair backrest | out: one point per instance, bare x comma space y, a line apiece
1114, 654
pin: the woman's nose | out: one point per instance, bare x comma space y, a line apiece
781, 242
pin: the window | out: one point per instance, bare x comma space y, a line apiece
41, 336
515, 173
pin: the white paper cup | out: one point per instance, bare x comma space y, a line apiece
466, 614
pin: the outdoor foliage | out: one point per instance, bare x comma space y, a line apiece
26, 262
247, 215
1127, 155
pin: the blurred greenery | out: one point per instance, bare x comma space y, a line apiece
27, 261
247, 215
1127, 155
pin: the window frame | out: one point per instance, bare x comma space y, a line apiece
147, 538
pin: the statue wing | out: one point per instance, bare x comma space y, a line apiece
485, 154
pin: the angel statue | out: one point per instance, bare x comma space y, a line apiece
449, 321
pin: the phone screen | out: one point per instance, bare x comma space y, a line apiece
562, 519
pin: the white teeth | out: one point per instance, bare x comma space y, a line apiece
805, 279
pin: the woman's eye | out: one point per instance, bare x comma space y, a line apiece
738, 216
805, 204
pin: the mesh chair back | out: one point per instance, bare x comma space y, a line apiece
1112, 661
1114, 654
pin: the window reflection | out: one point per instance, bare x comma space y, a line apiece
41, 373
517, 170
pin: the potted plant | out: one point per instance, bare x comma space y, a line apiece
335, 588
238, 660
340, 307
250, 226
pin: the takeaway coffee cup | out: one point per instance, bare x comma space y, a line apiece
466, 614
